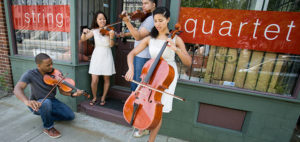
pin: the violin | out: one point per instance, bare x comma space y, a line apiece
106, 30
55, 78
136, 15
143, 108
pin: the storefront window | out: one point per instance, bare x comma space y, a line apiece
284, 5
42, 26
251, 67
222, 4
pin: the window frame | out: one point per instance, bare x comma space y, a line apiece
73, 34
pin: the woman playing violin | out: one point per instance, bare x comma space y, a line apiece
102, 62
155, 42
51, 109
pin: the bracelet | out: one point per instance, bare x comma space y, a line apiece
178, 50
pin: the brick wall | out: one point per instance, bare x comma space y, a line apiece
6, 82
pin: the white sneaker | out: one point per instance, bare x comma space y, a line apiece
138, 135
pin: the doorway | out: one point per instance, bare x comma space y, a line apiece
125, 45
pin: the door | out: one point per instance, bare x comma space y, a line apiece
124, 45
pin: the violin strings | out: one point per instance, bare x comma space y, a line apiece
63, 77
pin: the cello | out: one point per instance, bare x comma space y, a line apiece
143, 108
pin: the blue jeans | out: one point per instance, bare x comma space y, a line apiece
53, 110
138, 64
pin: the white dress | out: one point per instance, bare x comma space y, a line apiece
155, 46
102, 62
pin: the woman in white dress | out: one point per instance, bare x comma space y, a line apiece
155, 42
102, 62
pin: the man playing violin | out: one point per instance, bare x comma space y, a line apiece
51, 109
139, 34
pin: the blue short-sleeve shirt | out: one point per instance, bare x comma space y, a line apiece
148, 24
39, 89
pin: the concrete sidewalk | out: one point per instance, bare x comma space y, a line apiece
18, 124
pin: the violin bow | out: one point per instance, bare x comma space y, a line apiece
176, 97
112, 24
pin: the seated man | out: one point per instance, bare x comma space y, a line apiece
51, 109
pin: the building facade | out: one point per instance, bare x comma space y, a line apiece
5, 67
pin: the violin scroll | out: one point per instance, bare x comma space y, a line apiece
176, 31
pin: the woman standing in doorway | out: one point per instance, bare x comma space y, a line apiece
155, 42
102, 63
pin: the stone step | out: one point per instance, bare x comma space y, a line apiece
112, 110
119, 92
102, 112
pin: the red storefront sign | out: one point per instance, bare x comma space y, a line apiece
42, 17
255, 30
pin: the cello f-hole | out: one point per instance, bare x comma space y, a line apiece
150, 96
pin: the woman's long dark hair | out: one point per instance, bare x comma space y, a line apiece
94, 23
163, 11
154, 1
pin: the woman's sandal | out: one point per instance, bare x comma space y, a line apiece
93, 102
137, 134
102, 103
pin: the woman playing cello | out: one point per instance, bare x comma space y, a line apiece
155, 42
138, 34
